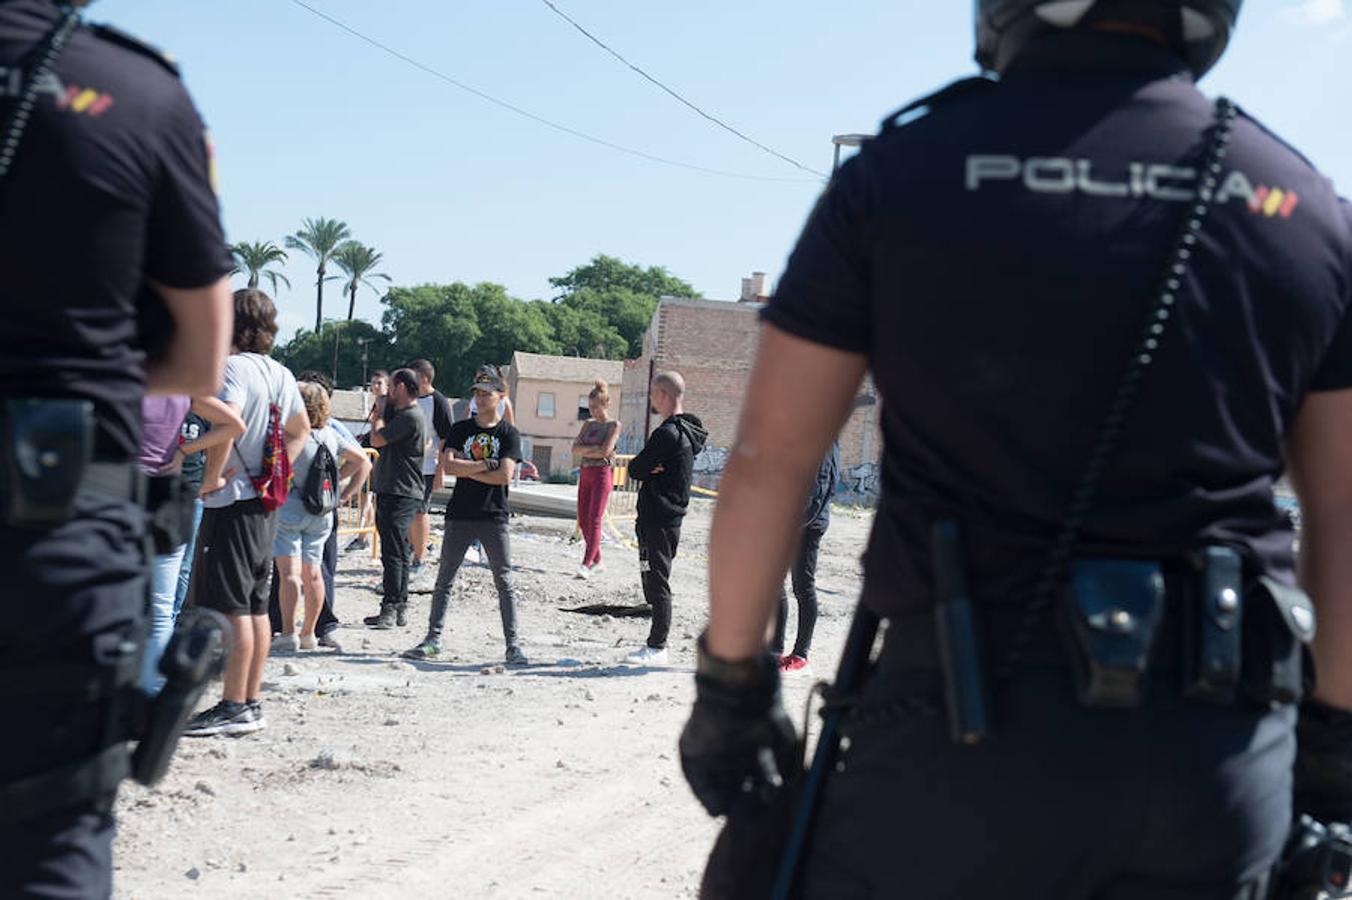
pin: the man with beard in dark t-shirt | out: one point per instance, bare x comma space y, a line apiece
399, 432
482, 454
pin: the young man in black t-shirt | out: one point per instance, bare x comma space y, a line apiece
399, 432
481, 453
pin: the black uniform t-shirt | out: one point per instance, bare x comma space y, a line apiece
473, 500
995, 258
401, 459
111, 186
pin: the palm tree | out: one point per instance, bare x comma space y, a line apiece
255, 257
357, 260
319, 239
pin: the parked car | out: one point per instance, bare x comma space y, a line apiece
527, 471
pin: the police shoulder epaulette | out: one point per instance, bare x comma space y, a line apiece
947, 94
1246, 116
136, 45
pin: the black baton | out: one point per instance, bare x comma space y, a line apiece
854, 661
959, 643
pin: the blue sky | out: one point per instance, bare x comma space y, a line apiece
310, 121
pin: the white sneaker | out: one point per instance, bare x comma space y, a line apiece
647, 656
582, 574
597, 568
285, 643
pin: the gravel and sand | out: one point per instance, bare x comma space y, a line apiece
378, 777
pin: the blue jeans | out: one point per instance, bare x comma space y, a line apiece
164, 573
185, 571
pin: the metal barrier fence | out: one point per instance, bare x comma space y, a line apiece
353, 514
624, 495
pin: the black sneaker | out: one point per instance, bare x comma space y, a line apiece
384, 619
516, 656
401, 615
428, 649
225, 717
256, 710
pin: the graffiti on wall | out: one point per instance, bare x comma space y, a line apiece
860, 481
711, 461
858, 484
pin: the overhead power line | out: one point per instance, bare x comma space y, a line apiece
673, 93
511, 107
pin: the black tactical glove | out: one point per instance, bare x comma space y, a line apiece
738, 741
1324, 762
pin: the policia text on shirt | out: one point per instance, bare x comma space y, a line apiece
102, 207
1104, 315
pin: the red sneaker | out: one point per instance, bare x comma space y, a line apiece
794, 664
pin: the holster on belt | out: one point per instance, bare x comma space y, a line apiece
1112, 609
46, 445
1233, 632
1281, 624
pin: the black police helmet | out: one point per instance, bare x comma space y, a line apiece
1202, 28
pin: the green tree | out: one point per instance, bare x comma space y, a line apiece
255, 257
620, 294
507, 325
356, 260
319, 239
606, 272
583, 332
311, 350
436, 322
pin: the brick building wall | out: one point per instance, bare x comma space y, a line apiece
713, 345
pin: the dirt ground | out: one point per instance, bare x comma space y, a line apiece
377, 777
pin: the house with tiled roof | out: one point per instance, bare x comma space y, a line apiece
549, 395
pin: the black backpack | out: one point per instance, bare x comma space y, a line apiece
321, 483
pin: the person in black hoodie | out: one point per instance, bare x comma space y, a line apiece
665, 467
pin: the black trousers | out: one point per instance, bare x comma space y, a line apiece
1176, 800
71, 595
803, 576
657, 545
394, 515
327, 620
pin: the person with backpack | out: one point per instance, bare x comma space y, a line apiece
245, 483
305, 521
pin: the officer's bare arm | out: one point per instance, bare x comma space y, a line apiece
203, 323
799, 396
1318, 451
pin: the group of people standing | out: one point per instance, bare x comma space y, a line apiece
226, 445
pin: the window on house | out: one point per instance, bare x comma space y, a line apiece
544, 405
583, 410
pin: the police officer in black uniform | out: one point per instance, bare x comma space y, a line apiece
1104, 315
106, 207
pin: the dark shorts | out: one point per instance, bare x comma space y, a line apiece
426, 506
233, 560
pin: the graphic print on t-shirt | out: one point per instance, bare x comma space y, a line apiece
483, 446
